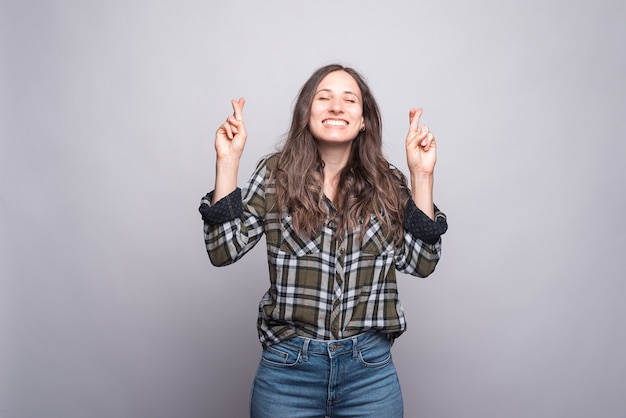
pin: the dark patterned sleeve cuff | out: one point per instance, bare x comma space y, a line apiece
226, 209
421, 226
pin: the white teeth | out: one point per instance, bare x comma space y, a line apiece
335, 122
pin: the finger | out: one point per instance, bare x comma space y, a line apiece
414, 119
238, 108
416, 140
228, 130
429, 142
424, 132
234, 123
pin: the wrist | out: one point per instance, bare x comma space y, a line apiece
421, 178
227, 164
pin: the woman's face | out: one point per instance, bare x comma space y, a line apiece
337, 109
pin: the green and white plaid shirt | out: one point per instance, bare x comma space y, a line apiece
327, 287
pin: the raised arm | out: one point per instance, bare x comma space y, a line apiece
421, 156
230, 140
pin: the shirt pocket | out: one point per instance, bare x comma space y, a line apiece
375, 241
295, 244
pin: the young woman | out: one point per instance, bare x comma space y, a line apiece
339, 220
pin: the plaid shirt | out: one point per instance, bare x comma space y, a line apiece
326, 287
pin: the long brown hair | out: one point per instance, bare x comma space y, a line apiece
367, 185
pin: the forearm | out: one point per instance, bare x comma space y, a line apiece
225, 178
235, 223
230, 140
422, 193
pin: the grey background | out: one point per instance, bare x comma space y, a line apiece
108, 304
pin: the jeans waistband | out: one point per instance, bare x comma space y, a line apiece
332, 348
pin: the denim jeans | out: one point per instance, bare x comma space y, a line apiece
306, 378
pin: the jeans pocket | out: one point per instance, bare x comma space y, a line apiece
375, 355
280, 356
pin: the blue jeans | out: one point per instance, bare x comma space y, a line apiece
306, 378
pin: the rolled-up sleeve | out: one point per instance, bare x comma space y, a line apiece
421, 226
421, 248
226, 209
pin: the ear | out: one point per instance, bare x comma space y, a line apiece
362, 124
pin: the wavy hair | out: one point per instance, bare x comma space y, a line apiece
368, 185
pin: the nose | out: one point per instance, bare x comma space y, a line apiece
336, 105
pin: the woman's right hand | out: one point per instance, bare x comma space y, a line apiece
230, 137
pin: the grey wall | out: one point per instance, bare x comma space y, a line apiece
108, 304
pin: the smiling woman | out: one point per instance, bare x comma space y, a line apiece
339, 220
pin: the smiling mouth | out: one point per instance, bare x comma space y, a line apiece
335, 122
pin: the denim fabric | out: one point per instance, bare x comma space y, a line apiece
306, 378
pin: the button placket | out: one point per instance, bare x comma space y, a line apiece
338, 289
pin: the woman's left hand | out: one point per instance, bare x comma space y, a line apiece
421, 148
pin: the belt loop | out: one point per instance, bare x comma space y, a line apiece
355, 350
305, 349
